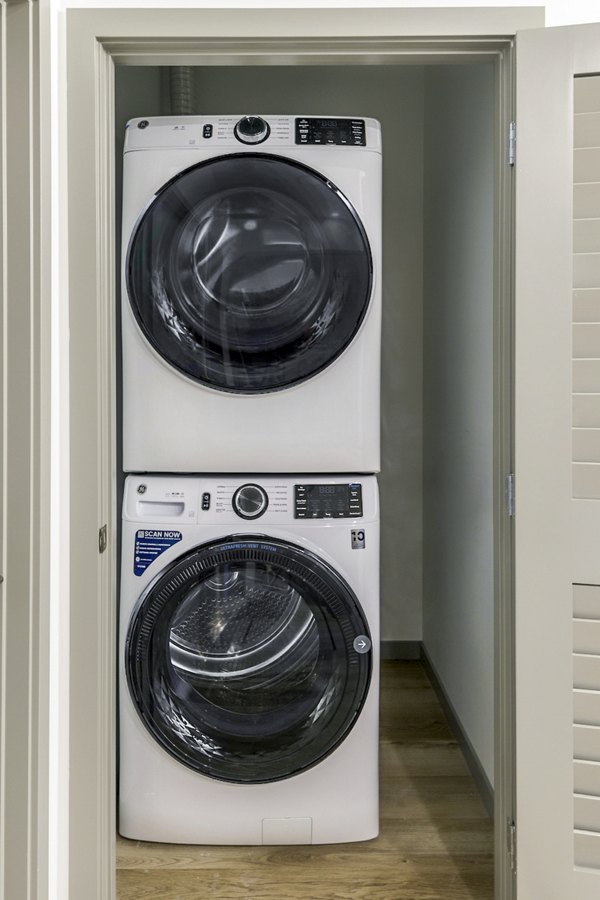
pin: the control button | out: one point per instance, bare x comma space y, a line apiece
250, 501
207, 131
252, 130
206, 500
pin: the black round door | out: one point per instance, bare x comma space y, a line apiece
244, 659
249, 273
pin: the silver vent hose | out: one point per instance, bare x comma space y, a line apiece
181, 91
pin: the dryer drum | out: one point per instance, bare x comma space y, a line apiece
240, 659
242, 627
249, 273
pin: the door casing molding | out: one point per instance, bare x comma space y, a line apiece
25, 431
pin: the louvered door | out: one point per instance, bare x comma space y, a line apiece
586, 464
557, 526
586, 724
586, 293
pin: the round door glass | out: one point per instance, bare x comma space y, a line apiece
241, 663
249, 273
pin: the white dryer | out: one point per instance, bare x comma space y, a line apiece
249, 635
251, 294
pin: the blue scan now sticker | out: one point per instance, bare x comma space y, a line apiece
150, 543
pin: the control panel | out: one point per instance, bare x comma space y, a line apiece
328, 501
181, 501
249, 131
331, 131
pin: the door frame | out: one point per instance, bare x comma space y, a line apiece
96, 42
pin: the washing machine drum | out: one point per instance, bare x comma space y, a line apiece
249, 273
246, 659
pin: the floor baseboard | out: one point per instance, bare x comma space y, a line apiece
477, 771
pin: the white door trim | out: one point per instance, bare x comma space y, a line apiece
25, 716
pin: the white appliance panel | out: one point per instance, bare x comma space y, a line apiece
327, 422
162, 799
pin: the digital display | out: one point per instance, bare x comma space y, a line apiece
331, 131
327, 496
327, 501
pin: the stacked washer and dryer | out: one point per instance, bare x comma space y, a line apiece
249, 611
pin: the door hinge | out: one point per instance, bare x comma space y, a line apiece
512, 143
102, 539
509, 494
511, 844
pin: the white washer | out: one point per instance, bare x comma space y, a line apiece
251, 286
249, 660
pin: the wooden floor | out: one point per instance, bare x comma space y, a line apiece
436, 840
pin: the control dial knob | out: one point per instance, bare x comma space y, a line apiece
252, 130
250, 501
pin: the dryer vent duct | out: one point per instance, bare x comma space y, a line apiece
181, 91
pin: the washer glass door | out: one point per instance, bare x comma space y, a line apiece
249, 273
241, 659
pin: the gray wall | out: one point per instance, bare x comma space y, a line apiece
458, 584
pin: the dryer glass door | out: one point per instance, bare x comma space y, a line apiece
241, 659
249, 273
